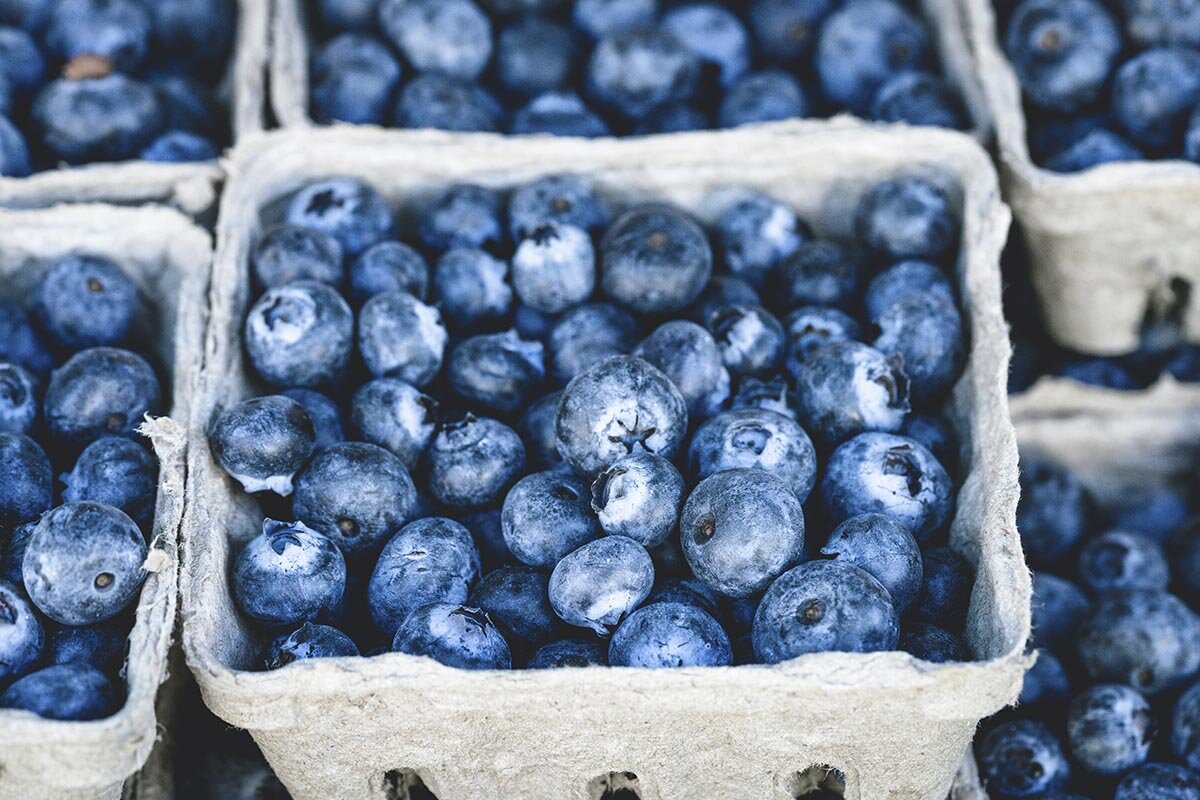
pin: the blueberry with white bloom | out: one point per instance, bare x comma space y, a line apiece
18, 399
300, 334
1159, 782
116, 471
100, 391
1022, 759
569, 653
499, 372
1119, 560
21, 635
928, 642
389, 267
751, 339
689, 356
907, 218
900, 279
885, 549
289, 253
26, 480
310, 640
721, 292
545, 516
741, 529
452, 37
472, 462
75, 692
86, 301
754, 438
812, 326
598, 18
437, 101
1059, 609
396, 416
472, 287
757, 234
324, 413
353, 79
926, 331
635, 70
558, 114
589, 334
517, 600
263, 442
462, 216
534, 55
1142, 638
554, 267
287, 575
1110, 729
670, 635
345, 208
639, 496
820, 272
946, 583
561, 199
537, 432
655, 258
715, 35
771, 95
457, 636
601, 583
401, 337
844, 388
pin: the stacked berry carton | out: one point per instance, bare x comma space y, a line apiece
169, 259
191, 186
895, 726
1111, 245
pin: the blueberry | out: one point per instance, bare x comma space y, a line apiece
348, 15
1022, 759
118, 472
672, 118
308, 641
1155, 512
655, 258
1059, 609
462, 216
688, 355
517, 600
562, 199
451, 37
96, 119
811, 326
670, 635
931, 643
1120, 560
73, 692
925, 331
918, 98
757, 234
824, 606
1185, 727
1052, 511
22, 61
21, 634
537, 432
558, 114
263, 442
432, 560
356, 494
770, 394
436, 101
1154, 94
936, 434
599, 585
722, 291
639, 497
472, 287
1149, 23
85, 301
101, 646
12, 559
388, 267
634, 70
83, 564
29, 15
882, 547
1063, 51
396, 416
534, 55
786, 30
864, 43
345, 208
1184, 366
1093, 149
1045, 682
300, 334
751, 340
117, 30
456, 636
500, 372
754, 438
14, 152
587, 335
289, 253
1149, 640
354, 79
288, 575
1159, 782
820, 272
401, 337
199, 35
546, 516
890, 285
740, 529
554, 268
179, 147
569, 653
715, 35
768, 96
946, 585
486, 527
187, 105
26, 481
616, 407
19, 342
323, 413
907, 218
1051, 132
1110, 729
473, 461
1102, 372
844, 388
690, 591
18, 399
599, 18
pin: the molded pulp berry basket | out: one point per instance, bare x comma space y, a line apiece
1110, 247
351, 728
192, 187
169, 259
291, 52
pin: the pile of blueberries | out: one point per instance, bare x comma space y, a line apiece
110, 80
71, 399
1107, 81
1111, 708
607, 438
620, 67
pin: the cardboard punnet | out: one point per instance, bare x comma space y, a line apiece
1110, 247
292, 48
169, 259
351, 728
192, 188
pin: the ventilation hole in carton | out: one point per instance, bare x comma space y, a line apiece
404, 784
615, 786
1166, 311
818, 782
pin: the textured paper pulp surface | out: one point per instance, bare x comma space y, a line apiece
897, 726
291, 51
1106, 243
169, 259
191, 187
